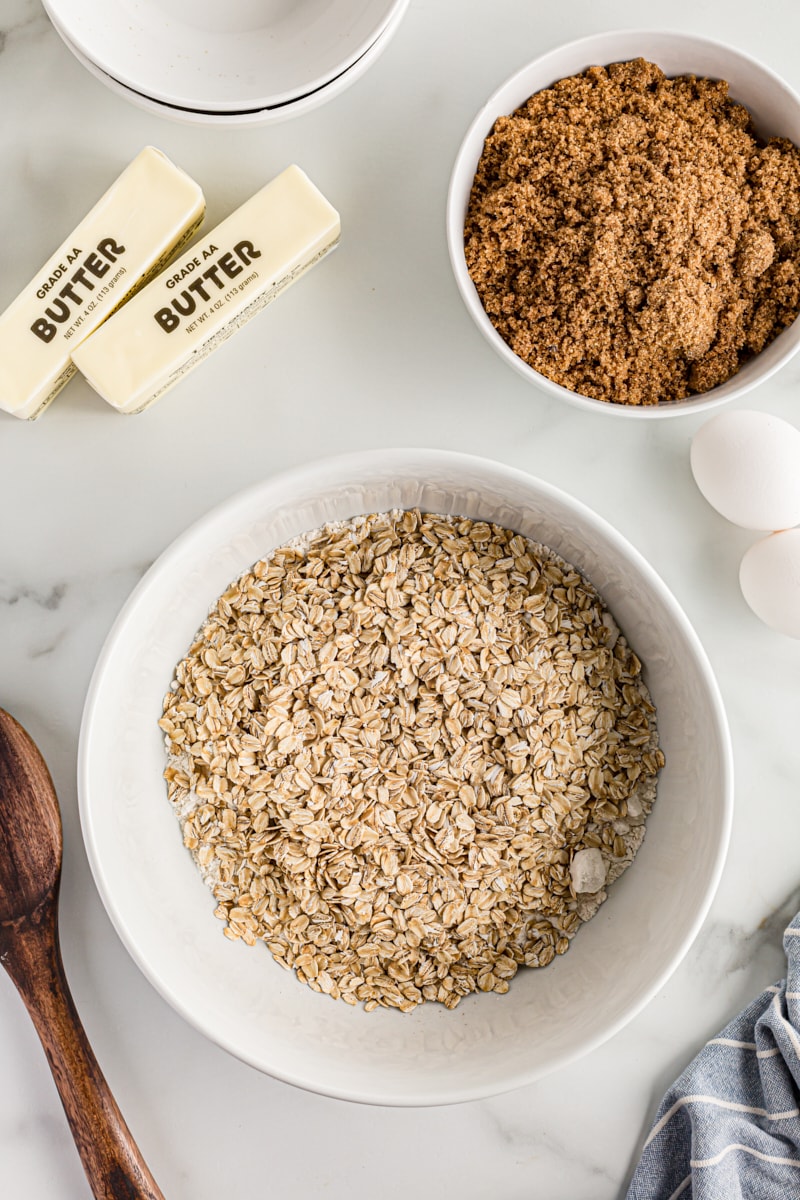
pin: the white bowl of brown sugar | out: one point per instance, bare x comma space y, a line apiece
400, 689
623, 223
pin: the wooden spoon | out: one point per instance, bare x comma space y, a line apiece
30, 873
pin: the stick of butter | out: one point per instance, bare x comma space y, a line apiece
131, 233
204, 297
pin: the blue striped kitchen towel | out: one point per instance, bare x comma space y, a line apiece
729, 1128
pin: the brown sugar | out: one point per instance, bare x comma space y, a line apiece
631, 238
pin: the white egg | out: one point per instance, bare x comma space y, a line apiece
770, 580
747, 465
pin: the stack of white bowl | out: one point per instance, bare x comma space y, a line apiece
242, 62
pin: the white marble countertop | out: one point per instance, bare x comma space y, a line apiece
377, 351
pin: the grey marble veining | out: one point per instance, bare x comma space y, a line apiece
22, 18
23, 594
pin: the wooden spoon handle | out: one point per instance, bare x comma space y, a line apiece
110, 1157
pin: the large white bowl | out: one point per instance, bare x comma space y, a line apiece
260, 116
775, 109
238, 996
223, 57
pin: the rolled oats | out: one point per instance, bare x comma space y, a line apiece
389, 743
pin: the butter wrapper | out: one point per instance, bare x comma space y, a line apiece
144, 218
211, 291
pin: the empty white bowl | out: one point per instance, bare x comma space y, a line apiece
260, 116
242, 55
775, 109
238, 996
